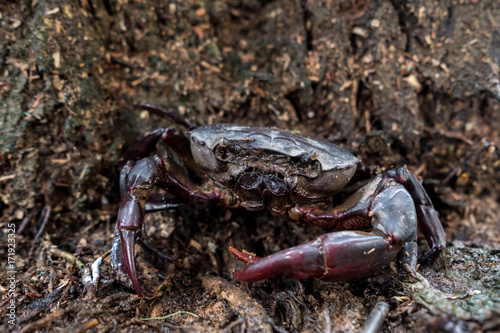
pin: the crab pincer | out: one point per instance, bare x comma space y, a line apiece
339, 256
130, 220
345, 255
129, 227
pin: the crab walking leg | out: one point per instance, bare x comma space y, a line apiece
142, 240
172, 138
345, 255
167, 114
162, 201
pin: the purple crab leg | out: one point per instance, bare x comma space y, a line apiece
426, 214
131, 230
172, 138
162, 201
345, 255
167, 114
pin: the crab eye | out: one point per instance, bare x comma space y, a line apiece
224, 142
204, 156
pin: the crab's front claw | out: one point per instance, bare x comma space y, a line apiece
299, 262
130, 220
128, 243
337, 256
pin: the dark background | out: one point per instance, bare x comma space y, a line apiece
411, 82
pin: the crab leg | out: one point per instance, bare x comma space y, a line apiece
142, 240
162, 201
138, 183
172, 138
427, 217
129, 224
155, 202
345, 255
167, 114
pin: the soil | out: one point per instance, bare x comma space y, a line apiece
414, 82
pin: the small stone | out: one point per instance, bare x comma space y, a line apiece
19, 214
375, 23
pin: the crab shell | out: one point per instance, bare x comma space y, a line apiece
310, 168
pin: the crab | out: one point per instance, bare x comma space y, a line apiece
369, 218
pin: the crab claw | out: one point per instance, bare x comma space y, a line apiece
345, 255
245, 257
300, 262
128, 244
130, 220
337, 256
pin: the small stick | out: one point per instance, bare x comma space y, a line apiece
45, 213
376, 318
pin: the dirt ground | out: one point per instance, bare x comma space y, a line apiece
413, 82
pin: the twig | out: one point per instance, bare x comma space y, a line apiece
23, 225
89, 324
328, 322
45, 213
449, 134
450, 175
170, 315
376, 318
235, 323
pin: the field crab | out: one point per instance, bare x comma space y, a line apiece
370, 219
